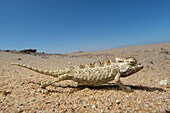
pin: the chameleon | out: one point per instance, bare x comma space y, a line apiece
97, 73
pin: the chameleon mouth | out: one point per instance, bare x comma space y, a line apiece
140, 66
137, 68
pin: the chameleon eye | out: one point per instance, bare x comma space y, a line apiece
132, 62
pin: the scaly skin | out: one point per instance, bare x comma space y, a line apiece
93, 74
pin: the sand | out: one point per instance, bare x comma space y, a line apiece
19, 87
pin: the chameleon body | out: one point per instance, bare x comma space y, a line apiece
93, 74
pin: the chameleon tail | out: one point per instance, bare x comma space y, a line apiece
46, 72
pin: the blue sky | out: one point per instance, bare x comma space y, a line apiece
64, 26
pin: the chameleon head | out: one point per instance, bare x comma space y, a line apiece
128, 66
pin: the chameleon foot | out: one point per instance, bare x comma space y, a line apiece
44, 91
128, 89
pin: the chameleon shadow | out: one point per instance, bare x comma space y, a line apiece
108, 86
113, 86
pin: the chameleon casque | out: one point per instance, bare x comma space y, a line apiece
93, 74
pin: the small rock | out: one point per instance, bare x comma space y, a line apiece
22, 83
58, 104
72, 109
48, 102
28, 51
165, 83
33, 100
163, 49
94, 107
21, 104
146, 105
19, 59
150, 62
7, 50
165, 52
45, 57
117, 102
107, 108
6, 92
32, 93
52, 110
65, 111
146, 50
111, 104
69, 63
20, 110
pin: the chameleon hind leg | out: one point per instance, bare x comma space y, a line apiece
121, 85
44, 85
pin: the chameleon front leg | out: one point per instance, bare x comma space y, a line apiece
121, 85
44, 85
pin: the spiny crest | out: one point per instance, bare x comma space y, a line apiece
104, 63
109, 62
96, 64
82, 66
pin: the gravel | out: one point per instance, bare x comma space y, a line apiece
19, 87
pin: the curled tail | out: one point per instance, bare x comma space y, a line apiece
46, 72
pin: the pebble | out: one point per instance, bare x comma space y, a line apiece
162, 49
6, 92
166, 52
52, 110
21, 104
94, 107
84, 106
64, 111
107, 108
69, 63
22, 83
57, 103
150, 62
164, 82
48, 102
146, 105
111, 104
117, 102
45, 57
19, 59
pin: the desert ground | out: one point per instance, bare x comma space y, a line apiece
20, 87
